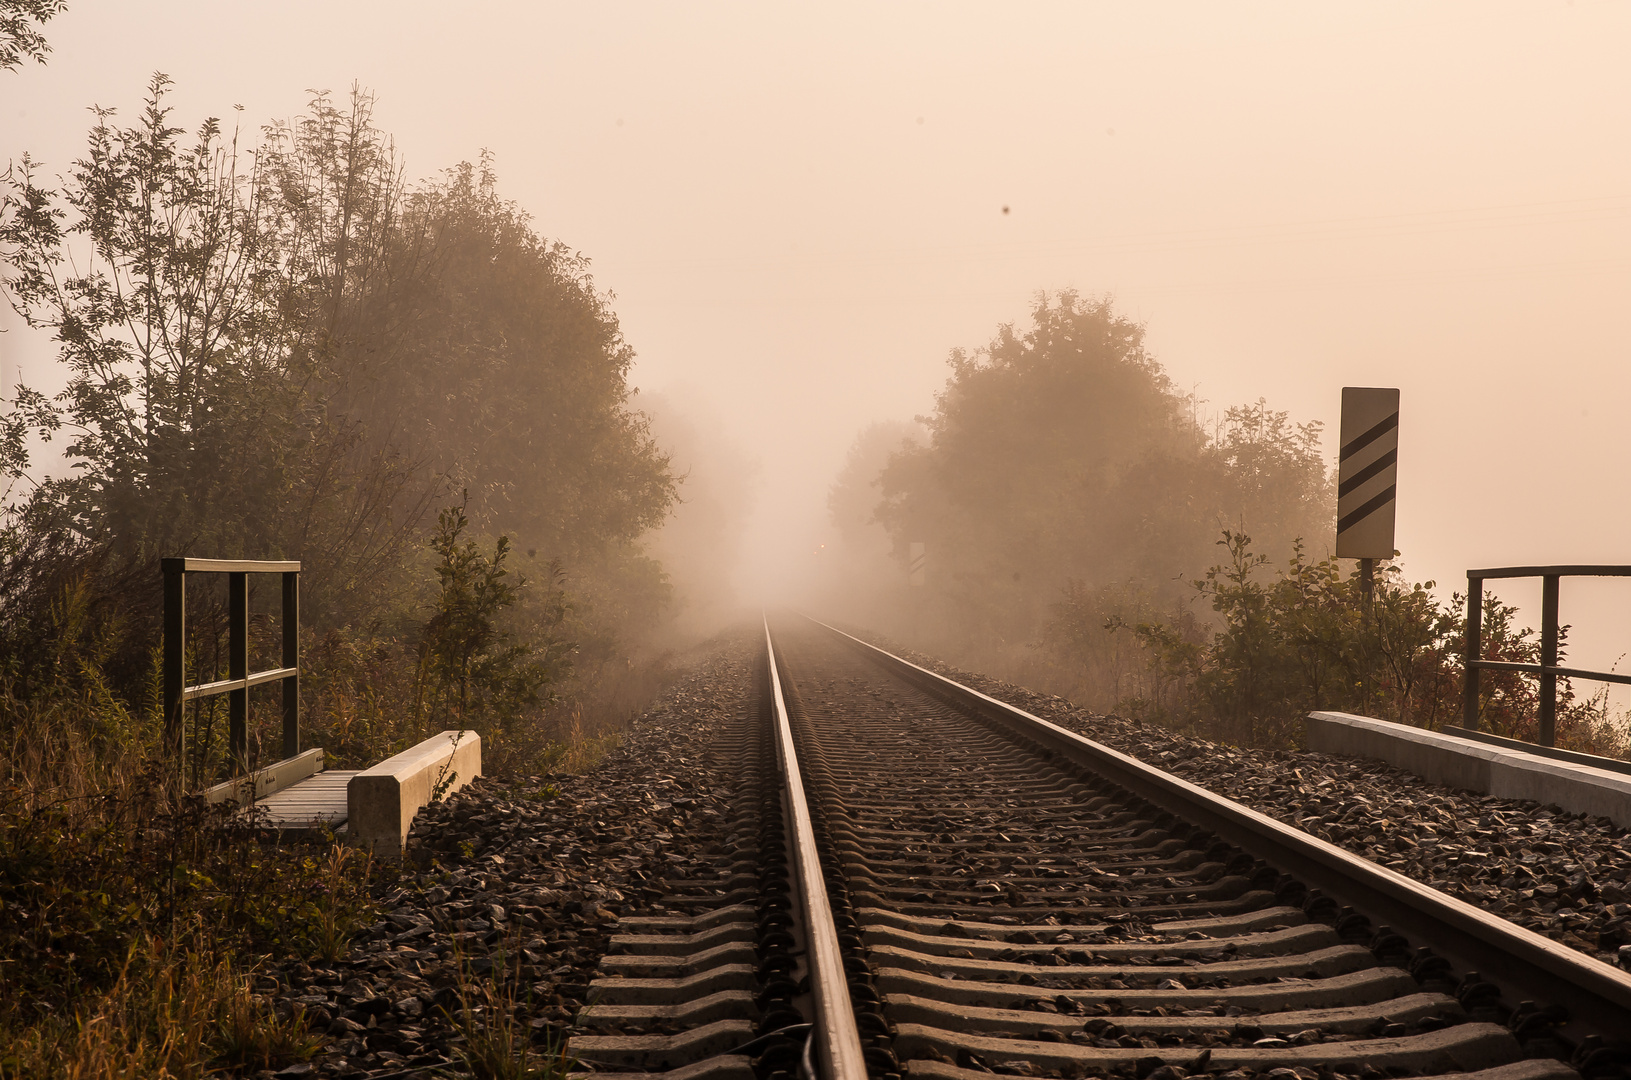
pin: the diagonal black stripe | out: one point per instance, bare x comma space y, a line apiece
1369, 437
1349, 520
1367, 472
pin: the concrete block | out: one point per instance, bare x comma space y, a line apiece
382, 801
1476, 766
268, 781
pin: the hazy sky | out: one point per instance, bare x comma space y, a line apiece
800, 210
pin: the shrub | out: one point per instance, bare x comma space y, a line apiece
1306, 638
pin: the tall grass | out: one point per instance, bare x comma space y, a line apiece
180, 1011
133, 922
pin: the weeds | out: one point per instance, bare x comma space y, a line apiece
170, 1013
340, 911
495, 1042
1303, 639
102, 872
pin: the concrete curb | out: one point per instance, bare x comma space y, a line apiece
1475, 766
381, 802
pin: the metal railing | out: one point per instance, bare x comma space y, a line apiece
1547, 669
239, 678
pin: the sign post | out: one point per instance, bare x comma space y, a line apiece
1367, 478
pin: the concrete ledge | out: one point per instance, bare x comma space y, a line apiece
1476, 765
268, 781
381, 802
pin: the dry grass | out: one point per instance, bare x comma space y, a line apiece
132, 923
171, 1013
495, 1042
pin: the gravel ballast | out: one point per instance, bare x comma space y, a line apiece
529, 877
519, 884
1562, 875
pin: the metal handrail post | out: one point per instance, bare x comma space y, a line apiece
1474, 653
175, 656
240, 679
238, 668
1548, 660
291, 659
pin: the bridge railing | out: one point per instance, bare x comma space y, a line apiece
239, 678
1548, 669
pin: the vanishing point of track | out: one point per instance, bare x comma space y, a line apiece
956, 888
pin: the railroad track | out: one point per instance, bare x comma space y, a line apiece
942, 886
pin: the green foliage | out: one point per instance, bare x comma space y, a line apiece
1025, 481
546, 367
175, 397
1119, 650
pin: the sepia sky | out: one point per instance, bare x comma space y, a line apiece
801, 210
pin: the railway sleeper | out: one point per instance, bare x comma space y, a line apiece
1461, 1048
1064, 905
735, 1004
649, 1053
681, 944
1530, 1069
1258, 918
1317, 964
636, 991
1306, 937
1364, 1019
1365, 987
683, 925
657, 966
1189, 864
1224, 888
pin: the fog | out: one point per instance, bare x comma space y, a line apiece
800, 212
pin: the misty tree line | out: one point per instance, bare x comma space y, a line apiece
1084, 528
277, 347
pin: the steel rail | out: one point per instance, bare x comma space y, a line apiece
1524, 965
835, 1040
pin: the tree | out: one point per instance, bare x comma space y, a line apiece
1031, 445
282, 350
1067, 489
203, 409
852, 501
175, 397
471, 670
20, 35
538, 423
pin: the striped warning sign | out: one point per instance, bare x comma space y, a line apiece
1367, 472
915, 563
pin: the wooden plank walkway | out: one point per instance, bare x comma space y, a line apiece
319, 799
